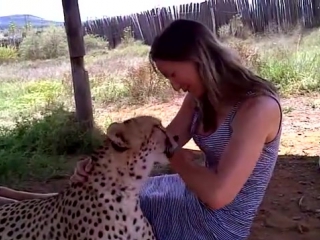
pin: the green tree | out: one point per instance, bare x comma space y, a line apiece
12, 29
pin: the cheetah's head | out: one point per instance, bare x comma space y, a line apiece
140, 142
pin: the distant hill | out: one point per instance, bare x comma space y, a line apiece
20, 20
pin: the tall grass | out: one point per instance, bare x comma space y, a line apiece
291, 62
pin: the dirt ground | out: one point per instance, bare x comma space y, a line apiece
291, 208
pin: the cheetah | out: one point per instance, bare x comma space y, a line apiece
106, 206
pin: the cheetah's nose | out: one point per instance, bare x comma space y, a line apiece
171, 146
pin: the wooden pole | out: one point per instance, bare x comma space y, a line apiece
213, 17
80, 78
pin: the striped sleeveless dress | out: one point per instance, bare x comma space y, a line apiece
177, 214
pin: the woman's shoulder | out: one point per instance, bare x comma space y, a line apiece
260, 105
260, 101
260, 112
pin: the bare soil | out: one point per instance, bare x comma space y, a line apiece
291, 207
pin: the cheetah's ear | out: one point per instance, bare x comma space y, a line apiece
115, 133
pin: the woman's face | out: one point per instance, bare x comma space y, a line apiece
182, 76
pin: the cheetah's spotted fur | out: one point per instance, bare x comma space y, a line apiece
106, 206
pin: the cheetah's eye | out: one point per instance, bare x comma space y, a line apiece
160, 127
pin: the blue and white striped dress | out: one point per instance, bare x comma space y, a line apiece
177, 214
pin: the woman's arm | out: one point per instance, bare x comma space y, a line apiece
256, 123
181, 123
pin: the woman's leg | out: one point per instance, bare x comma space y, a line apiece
8, 193
162, 201
4, 200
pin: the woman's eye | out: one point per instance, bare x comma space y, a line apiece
165, 75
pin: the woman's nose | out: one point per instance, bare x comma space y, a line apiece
175, 86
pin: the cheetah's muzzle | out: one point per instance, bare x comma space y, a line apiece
170, 148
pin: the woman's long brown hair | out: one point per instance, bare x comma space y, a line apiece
224, 77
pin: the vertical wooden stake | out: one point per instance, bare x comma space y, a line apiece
80, 79
213, 17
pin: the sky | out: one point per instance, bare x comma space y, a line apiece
89, 9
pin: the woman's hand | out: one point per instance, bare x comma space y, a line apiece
180, 156
81, 171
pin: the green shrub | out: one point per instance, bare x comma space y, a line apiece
93, 42
292, 71
143, 84
56, 132
127, 38
8, 54
29, 97
136, 49
36, 143
50, 43
289, 62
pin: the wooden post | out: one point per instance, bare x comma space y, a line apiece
80, 78
213, 17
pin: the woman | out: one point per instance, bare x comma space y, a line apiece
234, 117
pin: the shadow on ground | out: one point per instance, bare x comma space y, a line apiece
291, 207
